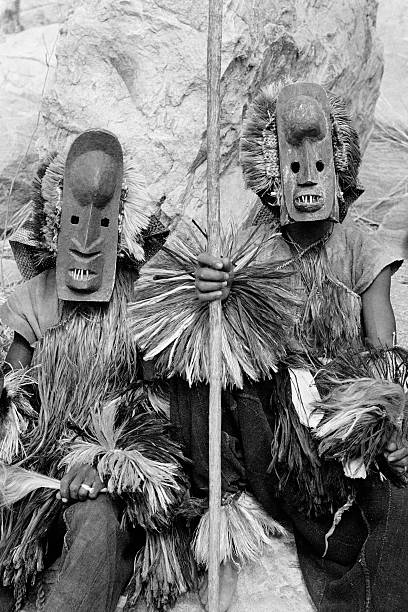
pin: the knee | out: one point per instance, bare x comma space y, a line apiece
95, 517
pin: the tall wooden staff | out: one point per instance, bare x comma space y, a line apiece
214, 247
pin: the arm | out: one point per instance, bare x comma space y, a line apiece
379, 326
20, 353
378, 315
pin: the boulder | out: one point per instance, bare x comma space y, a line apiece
27, 64
37, 12
138, 68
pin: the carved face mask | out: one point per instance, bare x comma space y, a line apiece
306, 154
88, 235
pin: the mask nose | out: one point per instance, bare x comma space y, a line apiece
308, 174
88, 238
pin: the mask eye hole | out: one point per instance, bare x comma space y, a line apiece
319, 166
74, 220
105, 222
295, 167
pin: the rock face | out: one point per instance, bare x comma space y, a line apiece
138, 68
27, 64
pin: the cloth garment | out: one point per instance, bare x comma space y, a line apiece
33, 307
97, 559
328, 278
94, 559
356, 257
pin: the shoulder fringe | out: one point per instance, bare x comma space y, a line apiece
246, 530
16, 413
360, 416
132, 458
172, 327
164, 569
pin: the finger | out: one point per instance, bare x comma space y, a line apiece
210, 297
215, 276
64, 486
398, 455
75, 485
206, 287
207, 260
97, 487
391, 446
86, 484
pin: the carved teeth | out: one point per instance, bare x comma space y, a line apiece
307, 199
78, 274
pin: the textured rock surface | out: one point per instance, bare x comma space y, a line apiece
139, 69
40, 12
27, 64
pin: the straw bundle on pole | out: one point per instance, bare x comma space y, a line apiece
213, 227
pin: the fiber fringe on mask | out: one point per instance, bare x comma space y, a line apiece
259, 150
362, 413
164, 569
17, 416
47, 199
172, 327
245, 531
136, 461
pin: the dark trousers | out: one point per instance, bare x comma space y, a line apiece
96, 561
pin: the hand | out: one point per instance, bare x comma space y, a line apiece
81, 482
396, 455
214, 277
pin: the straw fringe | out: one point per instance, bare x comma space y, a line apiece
331, 316
16, 414
136, 461
172, 327
246, 529
16, 483
359, 419
164, 569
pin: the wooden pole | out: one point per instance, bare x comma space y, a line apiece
214, 247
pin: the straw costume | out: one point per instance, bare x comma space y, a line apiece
92, 227
329, 424
287, 431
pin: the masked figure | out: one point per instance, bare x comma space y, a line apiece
92, 226
323, 443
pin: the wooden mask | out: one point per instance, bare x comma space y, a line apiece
306, 154
88, 235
